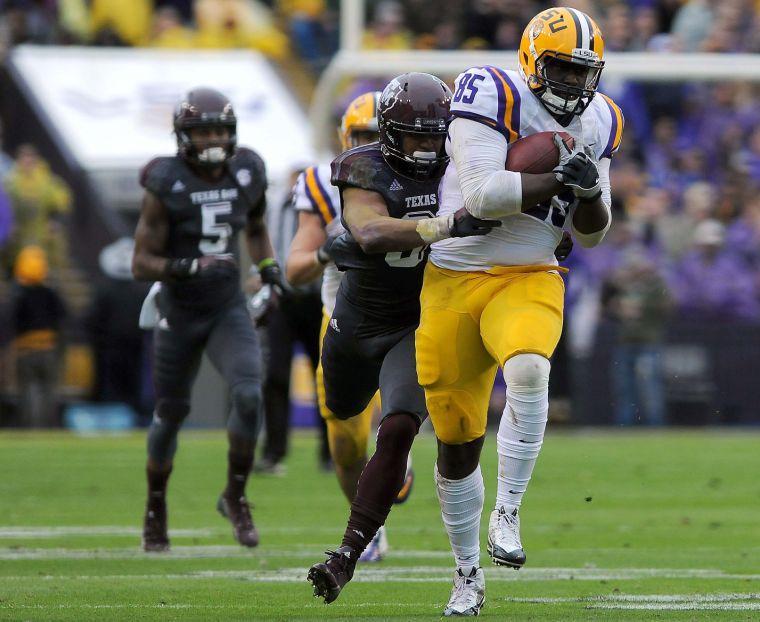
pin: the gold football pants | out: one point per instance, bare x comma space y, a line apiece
472, 322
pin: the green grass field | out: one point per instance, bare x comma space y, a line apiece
617, 526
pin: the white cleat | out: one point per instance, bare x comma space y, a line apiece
468, 594
377, 549
504, 544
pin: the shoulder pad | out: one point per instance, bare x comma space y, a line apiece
612, 130
249, 172
245, 157
312, 195
491, 96
357, 167
156, 175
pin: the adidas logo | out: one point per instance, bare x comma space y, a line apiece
178, 186
396, 186
334, 325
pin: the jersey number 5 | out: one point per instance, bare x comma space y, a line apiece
219, 232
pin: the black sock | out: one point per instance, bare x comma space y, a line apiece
380, 481
157, 482
238, 468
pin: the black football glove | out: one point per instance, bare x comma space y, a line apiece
577, 170
324, 252
207, 266
271, 274
564, 248
465, 224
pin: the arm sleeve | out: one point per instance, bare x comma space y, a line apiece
588, 240
479, 154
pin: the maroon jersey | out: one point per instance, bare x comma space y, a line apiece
385, 286
205, 218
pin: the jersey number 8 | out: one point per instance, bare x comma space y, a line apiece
467, 82
413, 257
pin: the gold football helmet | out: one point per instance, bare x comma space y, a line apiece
360, 116
560, 58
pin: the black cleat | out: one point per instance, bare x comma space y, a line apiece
238, 512
155, 538
330, 577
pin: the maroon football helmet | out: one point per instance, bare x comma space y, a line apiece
205, 107
414, 104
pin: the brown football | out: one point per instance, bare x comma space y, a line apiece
536, 154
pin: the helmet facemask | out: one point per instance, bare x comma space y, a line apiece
215, 153
419, 164
559, 97
360, 136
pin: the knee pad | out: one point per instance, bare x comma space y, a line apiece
348, 442
521, 430
455, 415
398, 430
247, 400
172, 411
527, 372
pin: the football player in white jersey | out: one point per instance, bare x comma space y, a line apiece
319, 223
497, 300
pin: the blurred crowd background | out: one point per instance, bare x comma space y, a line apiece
659, 312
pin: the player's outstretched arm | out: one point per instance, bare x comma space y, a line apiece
309, 250
375, 231
149, 262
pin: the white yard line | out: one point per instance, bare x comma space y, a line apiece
191, 552
681, 606
412, 574
10, 532
641, 602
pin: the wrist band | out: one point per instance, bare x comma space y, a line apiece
435, 229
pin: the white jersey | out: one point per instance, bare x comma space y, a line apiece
502, 101
314, 193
